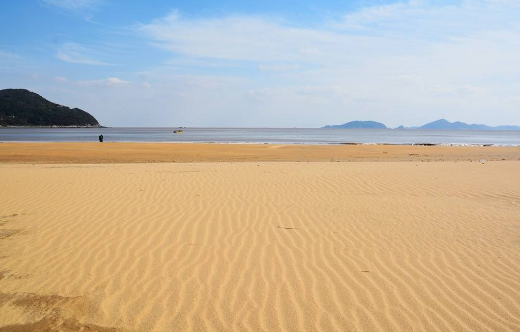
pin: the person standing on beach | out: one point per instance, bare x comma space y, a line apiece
101, 138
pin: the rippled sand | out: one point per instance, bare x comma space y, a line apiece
260, 247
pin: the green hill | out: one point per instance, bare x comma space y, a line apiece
20, 107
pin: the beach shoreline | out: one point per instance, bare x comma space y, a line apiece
108, 152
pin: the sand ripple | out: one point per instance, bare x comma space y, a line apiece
260, 247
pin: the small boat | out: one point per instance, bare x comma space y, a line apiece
177, 131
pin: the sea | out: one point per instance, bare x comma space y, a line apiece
265, 135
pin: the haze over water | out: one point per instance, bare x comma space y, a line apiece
263, 135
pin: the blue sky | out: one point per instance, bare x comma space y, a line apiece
267, 63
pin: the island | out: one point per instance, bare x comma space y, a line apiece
358, 125
443, 124
23, 108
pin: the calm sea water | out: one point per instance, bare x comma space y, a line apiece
262, 135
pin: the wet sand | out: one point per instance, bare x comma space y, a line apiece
181, 152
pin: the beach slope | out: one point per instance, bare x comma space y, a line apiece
95, 153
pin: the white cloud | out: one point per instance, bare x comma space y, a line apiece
60, 79
236, 38
401, 63
111, 81
72, 4
75, 53
277, 67
202, 63
406, 63
397, 29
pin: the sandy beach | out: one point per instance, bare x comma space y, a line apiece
95, 153
164, 237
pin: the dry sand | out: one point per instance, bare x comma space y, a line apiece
287, 246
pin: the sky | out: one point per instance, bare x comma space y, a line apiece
267, 63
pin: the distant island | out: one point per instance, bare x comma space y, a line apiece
23, 108
358, 125
445, 124
441, 124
